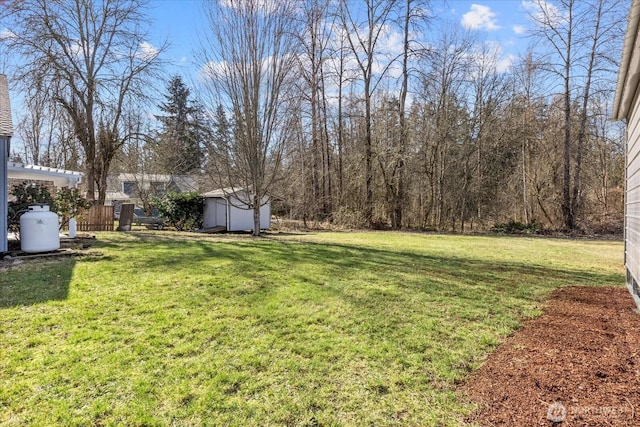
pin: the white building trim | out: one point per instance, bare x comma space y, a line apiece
59, 177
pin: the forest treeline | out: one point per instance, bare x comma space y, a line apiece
377, 115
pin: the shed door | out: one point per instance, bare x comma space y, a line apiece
209, 213
215, 213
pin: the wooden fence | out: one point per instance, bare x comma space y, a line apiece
98, 218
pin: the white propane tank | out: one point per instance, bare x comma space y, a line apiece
39, 230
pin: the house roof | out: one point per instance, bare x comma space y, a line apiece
6, 126
144, 177
629, 73
117, 195
60, 177
184, 183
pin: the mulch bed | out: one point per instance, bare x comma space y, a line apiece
576, 365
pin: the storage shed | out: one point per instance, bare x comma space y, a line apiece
227, 208
627, 107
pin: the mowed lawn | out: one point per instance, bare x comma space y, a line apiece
327, 329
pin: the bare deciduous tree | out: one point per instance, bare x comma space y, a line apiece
249, 57
444, 88
579, 35
314, 42
93, 58
363, 36
415, 13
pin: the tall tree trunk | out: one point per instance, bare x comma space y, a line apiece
368, 155
363, 41
402, 102
567, 213
576, 199
327, 149
256, 215
340, 142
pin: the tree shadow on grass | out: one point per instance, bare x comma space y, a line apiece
263, 266
36, 282
270, 254
335, 265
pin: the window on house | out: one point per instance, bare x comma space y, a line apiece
157, 187
129, 188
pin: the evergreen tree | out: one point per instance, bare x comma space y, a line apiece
218, 145
180, 140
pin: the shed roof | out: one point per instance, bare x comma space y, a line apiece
6, 126
629, 73
223, 192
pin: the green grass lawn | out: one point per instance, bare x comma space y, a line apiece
328, 329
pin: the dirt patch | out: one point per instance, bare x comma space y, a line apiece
576, 365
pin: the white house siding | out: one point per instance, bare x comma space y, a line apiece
625, 107
4, 192
632, 200
6, 131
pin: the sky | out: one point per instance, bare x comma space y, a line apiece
502, 22
178, 22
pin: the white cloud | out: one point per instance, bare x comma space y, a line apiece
489, 58
147, 51
390, 46
505, 64
5, 34
519, 29
480, 17
213, 70
544, 12
76, 48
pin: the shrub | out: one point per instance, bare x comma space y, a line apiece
184, 211
516, 227
25, 195
347, 218
70, 204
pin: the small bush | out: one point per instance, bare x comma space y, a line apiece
184, 211
612, 227
348, 218
25, 195
516, 227
68, 203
